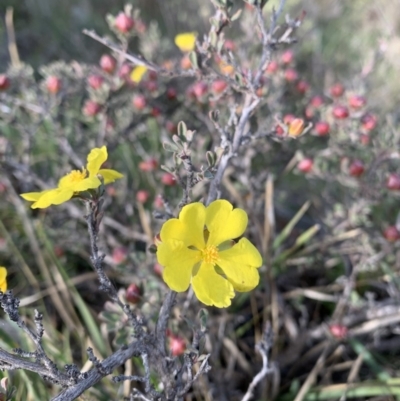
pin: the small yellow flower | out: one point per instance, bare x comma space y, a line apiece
197, 248
226, 69
138, 73
3, 279
296, 127
186, 41
76, 181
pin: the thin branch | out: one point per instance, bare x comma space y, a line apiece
263, 348
250, 104
10, 361
94, 376
163, 318
93, 219
139, 60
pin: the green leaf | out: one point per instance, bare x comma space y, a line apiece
170, 147
214, 22
189, 135
208, 174
87, 317
214, 115
369, 359
300, 241
211, 158
203, 317
122, 338
213, 39
239, 78
284, 234
236, 15
193, 59
182, 128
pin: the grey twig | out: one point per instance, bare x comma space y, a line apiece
43, 364
95, 375
266, 38
204, 367
163, 318
263, 348
10, 361
250, 104
138, 60
93, 219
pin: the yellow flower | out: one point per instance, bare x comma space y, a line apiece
197, 249
296, 127
3, 279
76, 181
186, 41
226, 69
137, 73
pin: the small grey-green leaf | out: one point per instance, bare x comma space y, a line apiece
170, 147
203, 316
214, 22
193, 59
208, 174
167, 169
213, 39
236, 15
214, 115
182, 128
189, 135
239, 79
177, 139
210, 156
152, 249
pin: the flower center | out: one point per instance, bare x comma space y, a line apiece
72, 178
210, 254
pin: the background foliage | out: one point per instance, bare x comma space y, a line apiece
330, 289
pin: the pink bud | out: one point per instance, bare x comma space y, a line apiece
305, 165
108, 63
123, 23
53, 84
322, 128
133, 293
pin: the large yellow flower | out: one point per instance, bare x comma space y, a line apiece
197, 249
3, 279
186, 41
76, 181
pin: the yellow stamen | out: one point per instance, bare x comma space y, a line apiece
210, 254
72, 178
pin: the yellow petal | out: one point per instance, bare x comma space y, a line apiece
188, 228
223, 222
240, 264
178, 262
95, 159
33, 196
186, 41
110, 175
53, 197
3, 274
137, 73
193, 217
87, 183
211, 288
3, 279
